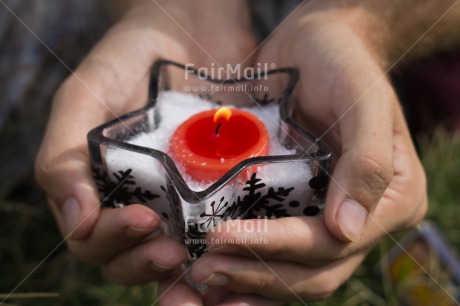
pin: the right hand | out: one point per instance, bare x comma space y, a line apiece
342, 91
112, 80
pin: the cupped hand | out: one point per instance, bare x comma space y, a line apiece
377, 185
344, 97
112, 80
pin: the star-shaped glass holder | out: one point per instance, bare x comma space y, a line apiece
264, 187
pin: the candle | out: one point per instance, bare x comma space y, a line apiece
210, 143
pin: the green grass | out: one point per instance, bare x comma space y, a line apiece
29, 234
441, 160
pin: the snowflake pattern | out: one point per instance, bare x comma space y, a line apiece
216, 213
252, 205
122, 192
258, 200
195, 240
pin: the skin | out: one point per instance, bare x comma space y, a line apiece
111, 81
342, 49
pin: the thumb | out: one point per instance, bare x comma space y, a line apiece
364, 168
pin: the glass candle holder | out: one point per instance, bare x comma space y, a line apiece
270, 186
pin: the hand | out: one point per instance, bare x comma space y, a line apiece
377, 186
112, 80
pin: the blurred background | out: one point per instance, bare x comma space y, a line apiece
34, 262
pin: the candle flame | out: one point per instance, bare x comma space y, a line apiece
222, 114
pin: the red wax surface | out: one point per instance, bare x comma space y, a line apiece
209, 146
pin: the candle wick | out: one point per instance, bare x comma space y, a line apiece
217, 128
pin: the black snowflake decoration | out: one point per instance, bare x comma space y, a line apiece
216, 213
121, 192
254, 203
195, 240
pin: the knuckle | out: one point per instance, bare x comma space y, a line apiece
376, 172
263, 284
41, 165
41, 169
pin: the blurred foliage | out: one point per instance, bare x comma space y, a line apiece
441, 159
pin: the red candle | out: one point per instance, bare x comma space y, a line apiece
210, 143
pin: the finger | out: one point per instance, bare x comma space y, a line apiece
115, 231
406, 193
214, 295
365, 166
111, 75
295, 239
222, 296
273, 279
175, 291
249, 299
152, 260
71, 193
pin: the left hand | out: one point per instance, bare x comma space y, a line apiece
377, 173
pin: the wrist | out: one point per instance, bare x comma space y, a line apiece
396, 31
359, 22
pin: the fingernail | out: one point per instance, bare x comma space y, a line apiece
134, 232
216, 279
70, 212
149, 224
351, 218
160, 268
